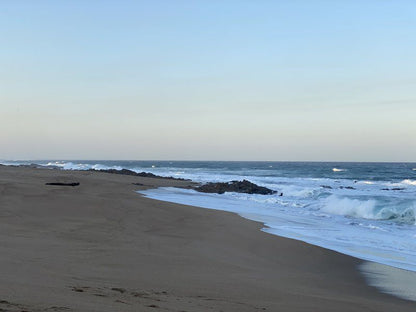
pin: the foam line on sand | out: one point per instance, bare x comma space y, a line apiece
390, 280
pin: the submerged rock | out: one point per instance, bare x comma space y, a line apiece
234, 186
326, 186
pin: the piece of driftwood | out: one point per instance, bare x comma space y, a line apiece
63, 184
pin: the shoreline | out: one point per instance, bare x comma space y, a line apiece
100, 246
386, 278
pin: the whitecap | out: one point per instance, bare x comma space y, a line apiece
337, 170
409, 182
367, 182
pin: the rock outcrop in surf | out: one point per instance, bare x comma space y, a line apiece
234, 186
137, 174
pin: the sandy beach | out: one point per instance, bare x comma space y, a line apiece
101, 246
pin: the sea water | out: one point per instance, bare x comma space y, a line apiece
366, 210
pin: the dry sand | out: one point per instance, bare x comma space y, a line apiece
102, 247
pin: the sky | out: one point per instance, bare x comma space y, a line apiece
208, 80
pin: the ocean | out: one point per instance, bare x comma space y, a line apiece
366, 210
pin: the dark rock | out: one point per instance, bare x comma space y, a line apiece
234, 186
63, 184
397, 189
137, 174
347, 187
326, 186
32, 165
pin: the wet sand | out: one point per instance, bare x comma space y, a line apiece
100, 246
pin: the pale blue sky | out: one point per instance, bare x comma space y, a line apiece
211, 80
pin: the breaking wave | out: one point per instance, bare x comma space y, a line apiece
369, 209
78, 166
349, 207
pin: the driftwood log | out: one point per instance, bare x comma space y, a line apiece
63, 184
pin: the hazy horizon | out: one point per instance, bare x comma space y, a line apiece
202, 160
217, 80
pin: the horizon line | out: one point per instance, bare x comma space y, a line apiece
189, 160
